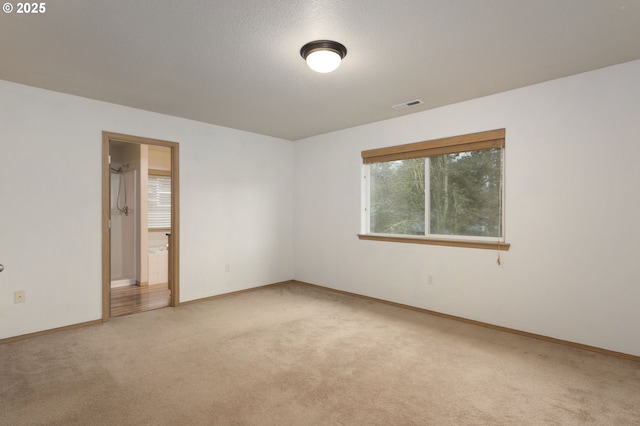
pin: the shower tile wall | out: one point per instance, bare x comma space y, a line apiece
124, 253
123, 228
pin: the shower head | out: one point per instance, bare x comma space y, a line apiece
120, 169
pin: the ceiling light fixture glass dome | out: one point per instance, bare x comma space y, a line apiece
323, 55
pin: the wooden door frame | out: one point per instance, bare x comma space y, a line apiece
174, 242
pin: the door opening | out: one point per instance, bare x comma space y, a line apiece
140, 224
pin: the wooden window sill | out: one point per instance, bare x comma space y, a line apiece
489, 245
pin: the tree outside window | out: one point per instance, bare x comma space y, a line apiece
451, 188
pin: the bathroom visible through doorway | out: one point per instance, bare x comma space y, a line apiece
140, 224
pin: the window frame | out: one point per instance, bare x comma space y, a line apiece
431, 148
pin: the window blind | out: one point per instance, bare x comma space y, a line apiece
452, 145
159, 201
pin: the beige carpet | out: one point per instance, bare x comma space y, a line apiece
298, 355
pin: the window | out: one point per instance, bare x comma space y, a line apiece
159, 200
445, 191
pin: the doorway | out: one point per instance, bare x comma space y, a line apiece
140, 224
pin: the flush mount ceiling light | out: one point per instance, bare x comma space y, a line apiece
323, 55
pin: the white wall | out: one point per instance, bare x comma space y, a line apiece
572, 213
235, 200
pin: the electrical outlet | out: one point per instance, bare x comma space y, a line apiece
19, 297
227, 268
430, 280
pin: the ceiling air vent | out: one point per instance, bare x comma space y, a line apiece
405, 105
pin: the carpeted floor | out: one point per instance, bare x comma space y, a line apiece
297, 355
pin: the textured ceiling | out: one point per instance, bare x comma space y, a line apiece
236, 63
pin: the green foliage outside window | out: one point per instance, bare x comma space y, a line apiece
464, 190
397, 197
